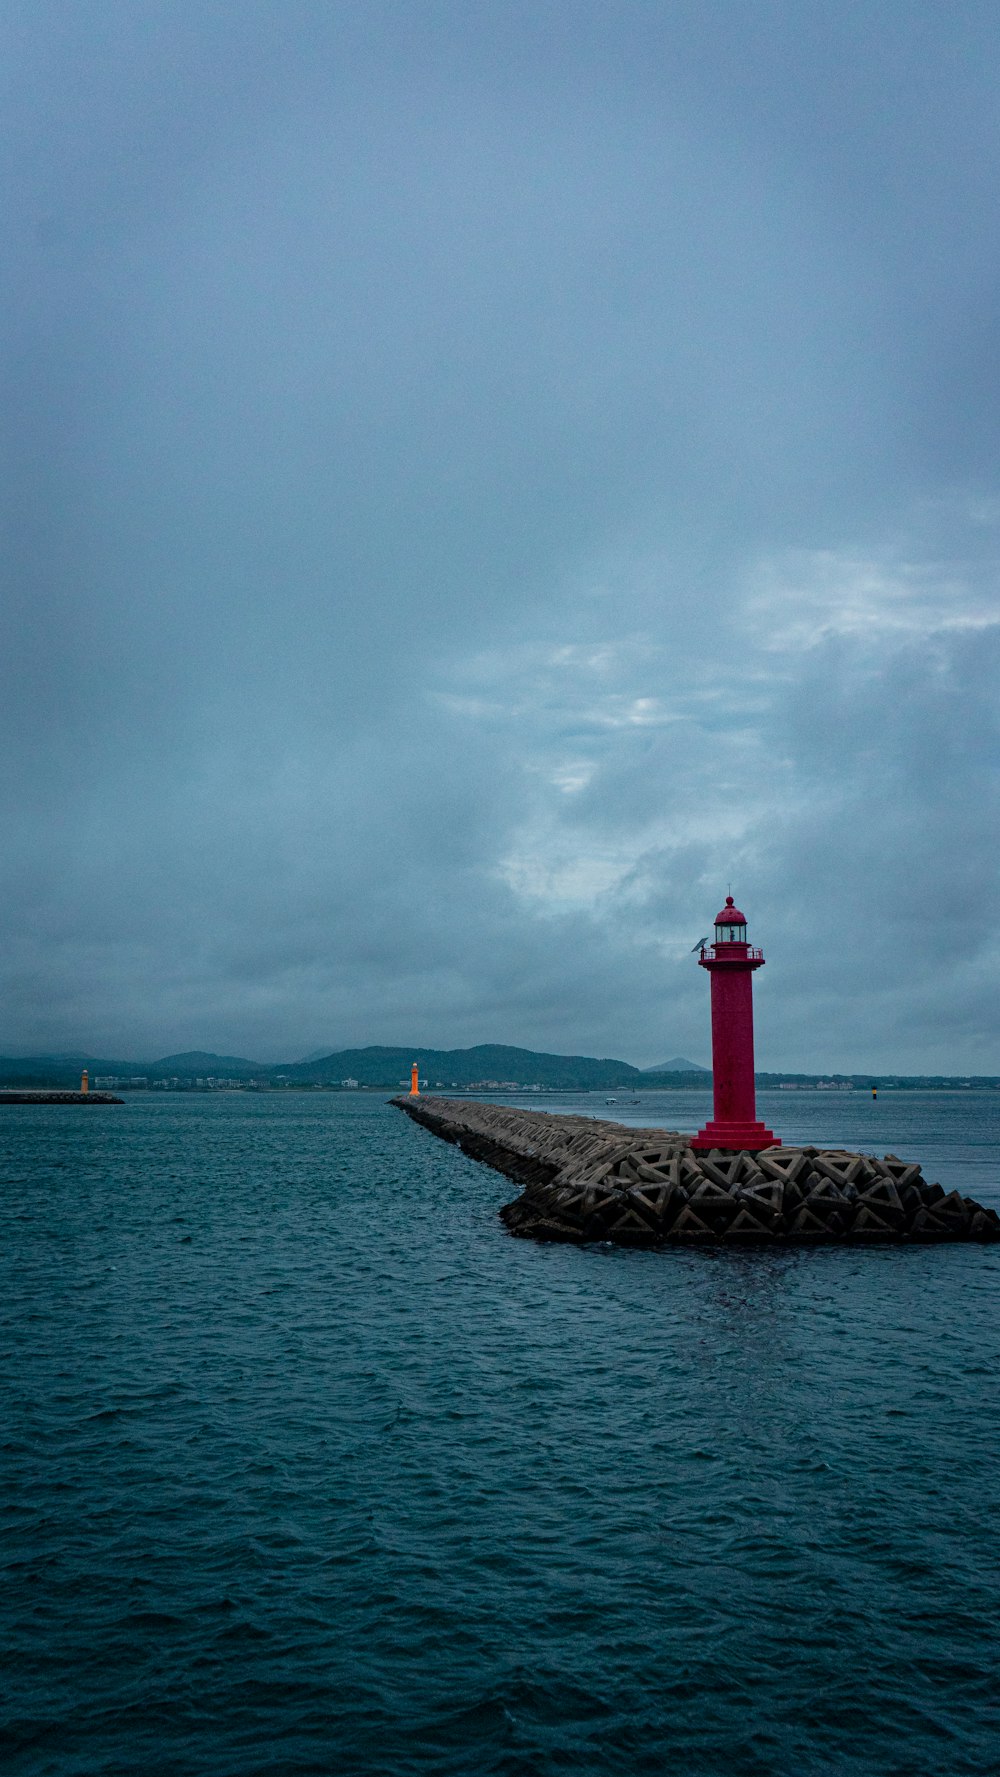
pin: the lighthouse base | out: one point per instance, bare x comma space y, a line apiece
747, 1138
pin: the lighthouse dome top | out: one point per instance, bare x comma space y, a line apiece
730, 915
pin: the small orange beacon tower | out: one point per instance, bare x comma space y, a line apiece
414, 1082
85, 1081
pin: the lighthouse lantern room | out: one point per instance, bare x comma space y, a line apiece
730, 925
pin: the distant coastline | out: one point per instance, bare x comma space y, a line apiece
491, 1067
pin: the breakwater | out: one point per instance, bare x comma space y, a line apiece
47, 1096
587, 1179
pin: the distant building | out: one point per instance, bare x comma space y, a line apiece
816, 1086
351, 1085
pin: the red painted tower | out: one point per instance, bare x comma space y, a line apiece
731, 963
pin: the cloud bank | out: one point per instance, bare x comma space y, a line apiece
476, 487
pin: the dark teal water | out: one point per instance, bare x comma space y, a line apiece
309, 1467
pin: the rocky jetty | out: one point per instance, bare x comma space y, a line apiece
587, 1179
45, 1095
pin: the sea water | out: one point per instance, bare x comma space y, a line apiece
309, 1467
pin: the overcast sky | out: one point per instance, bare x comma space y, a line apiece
479, 481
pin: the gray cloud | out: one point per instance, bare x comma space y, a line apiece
476, 486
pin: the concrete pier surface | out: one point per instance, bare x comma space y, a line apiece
587, 1179
44, 1095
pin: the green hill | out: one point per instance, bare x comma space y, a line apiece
377, 1066
58, 1071
202, 1061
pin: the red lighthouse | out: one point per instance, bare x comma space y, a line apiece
731, 963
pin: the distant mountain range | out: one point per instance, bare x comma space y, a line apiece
496, 1062
485, 1065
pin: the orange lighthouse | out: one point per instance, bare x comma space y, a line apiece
731, 962
414, 1082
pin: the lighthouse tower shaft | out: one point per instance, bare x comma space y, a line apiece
734, 1097
731, 963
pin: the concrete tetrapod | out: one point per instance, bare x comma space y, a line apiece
587, 1179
